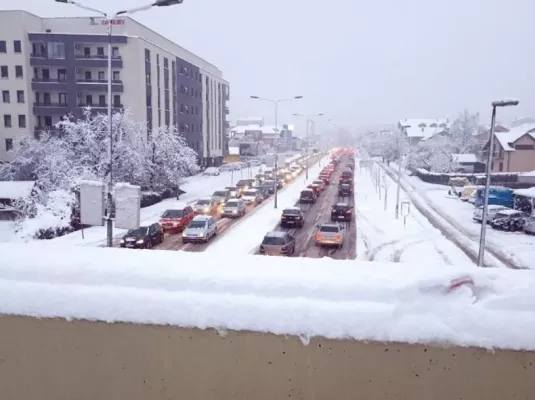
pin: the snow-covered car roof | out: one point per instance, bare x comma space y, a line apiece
509, 211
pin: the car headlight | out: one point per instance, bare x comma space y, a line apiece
200, 234
122, 240
140, 241
235, 211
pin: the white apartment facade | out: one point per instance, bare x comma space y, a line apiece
58, 66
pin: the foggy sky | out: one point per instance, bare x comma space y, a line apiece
359, 62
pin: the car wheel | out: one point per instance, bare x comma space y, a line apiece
148, 245
162, 238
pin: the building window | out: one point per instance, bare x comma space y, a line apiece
87, 75
100, 51
18, 71
102, 100
117, 100
3, 47
165, 63
7, 121
22, 121
100, 75
88, 100
46, 99
9, 144
5, 96
48, 121
147, 55
17, 46
62, 75
56, 50
501, 167
3, 71
116, 76
115, 52
63, 99
20, 96
87, 51
148, 78
149, 100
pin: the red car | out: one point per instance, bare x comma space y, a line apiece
177, 219
325, 178
315, 188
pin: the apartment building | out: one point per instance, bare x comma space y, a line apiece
52, 67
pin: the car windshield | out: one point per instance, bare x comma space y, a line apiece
292, 212
341, 207
141, 231
274, 241
249, 193
204, 202
232, 204
220, 193
244, 183
329, 229
173, 214
196, 224
307, 194
346, 174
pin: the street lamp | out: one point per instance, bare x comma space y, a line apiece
276, 103
495, 104
157, 3
400, 161
309, 120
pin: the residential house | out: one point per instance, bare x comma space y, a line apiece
418, 129
465, 163
514, 151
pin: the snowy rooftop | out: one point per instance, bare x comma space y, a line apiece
508, 138
529, 192
297, 296
16, 189
424, 127
464, 158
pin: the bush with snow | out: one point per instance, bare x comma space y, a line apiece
58, 162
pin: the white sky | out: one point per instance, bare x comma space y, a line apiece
359, 62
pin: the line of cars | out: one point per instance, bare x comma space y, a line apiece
198, 223
328, 233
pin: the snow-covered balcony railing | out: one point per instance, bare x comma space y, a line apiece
97, 56
97, 85
113, 81
97, 60
99, 105
49, 108
49, 84
48, 79
38, 130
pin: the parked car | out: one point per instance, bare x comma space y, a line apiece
252, 196
234, 208
212, 171
510, 220
292, 217
529, 226
492, 210
143, 237
234, 192
341, 212
221, 196
497, 195
231, 167
307, 196
176, 219
277, 243
345, 190
330, 234
206, 205
200, 230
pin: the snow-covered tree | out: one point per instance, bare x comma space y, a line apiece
462, 132
433, 155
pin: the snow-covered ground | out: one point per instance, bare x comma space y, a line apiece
301, 296
516, 245
246, 236
382, 237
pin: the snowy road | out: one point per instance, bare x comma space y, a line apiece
386, 238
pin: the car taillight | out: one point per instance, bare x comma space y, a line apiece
284, 248
319, 236
348, 212
338, 237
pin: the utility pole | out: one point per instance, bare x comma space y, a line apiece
400, 161
310, 120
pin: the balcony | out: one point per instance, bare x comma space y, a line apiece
100, 106
97, 60
49, 84
41, 59
48, 108
38, 130
96, 85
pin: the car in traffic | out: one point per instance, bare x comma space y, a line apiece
234, 208
509, 220
341, 212
176, 219
292, 217
212, 171
270, 185
252, 196
330, 234
326, 178
234, 192
200, 230
315, 188
346, 177
529, 226
278, 243
345, 190
244, 184
307, 196
320, 183
281, 181
143, 237
492, 210
221, 196
205, 205
260, 177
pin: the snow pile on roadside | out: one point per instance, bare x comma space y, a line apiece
297, 296
246, 235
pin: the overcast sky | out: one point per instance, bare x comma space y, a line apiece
359, 62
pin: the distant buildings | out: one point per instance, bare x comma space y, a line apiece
423, 128
253, 137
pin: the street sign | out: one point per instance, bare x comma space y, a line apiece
92, 203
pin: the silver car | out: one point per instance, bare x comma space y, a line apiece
330, 234
234, 208
529, 226
252, 196
221, 196
492, 210
206, 205
200, 230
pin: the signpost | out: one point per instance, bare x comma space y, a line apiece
405, 211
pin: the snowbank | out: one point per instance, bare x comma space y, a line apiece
300, 296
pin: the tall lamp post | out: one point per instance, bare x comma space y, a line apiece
495, 104
276, 104
309, 120
109, 18
402, 138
